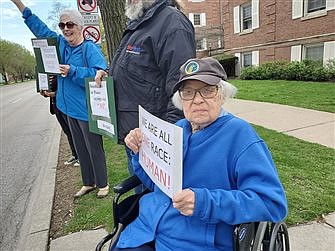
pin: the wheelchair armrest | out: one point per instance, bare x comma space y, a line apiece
127, 184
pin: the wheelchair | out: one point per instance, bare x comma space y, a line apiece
252, 236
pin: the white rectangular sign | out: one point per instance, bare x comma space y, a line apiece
91, 19
161, 152
43, 83
50, 59
99, 99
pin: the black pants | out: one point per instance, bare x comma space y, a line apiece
91, 154
62, 120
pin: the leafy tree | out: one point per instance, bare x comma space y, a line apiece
16, 60
6, 52
114, 22
54, 13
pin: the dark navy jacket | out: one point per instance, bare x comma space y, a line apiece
146, 64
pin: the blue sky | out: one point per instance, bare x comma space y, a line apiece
12, 27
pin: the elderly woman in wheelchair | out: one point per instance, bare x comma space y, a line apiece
229, 176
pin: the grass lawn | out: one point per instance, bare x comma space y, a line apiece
306, 170
312, 95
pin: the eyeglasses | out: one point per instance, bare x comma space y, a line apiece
205, 92
69, 25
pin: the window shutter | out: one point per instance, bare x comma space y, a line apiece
297, 8
296, 53
237, 19
204, 43
328, 52
191, 17
203, 19
330, 5
255, 58
255, 13
238, 65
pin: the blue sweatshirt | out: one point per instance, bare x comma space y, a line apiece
84, 60
230, 170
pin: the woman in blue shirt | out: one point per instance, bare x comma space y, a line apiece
229, 176
80, 59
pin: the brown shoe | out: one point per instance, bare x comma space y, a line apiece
84, 190
103, 192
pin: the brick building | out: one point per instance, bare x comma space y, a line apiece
207, 18
270, 30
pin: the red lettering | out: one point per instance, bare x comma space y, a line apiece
161, 176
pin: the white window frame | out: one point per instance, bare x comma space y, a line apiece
202, 19
298, 52
328, 52
299, 9
238, 17
254, 58
196, 1
203, 42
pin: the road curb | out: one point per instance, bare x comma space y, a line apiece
38, 235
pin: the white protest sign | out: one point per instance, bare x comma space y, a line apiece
161, 152
99, 99
50, 59
43, 83
38, 43
104, 125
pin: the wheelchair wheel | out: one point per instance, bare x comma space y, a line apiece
279, 240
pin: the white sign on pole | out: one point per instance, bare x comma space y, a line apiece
92, 33
91, 19
87, 6
161, 152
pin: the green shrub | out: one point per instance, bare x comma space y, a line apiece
307, 70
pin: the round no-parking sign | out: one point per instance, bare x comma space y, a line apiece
92, 33
87, 6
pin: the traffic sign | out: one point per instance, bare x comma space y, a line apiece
87, 6
92, 33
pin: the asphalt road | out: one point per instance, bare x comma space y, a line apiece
26, 129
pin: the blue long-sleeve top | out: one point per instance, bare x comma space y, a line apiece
84, 60
233, 176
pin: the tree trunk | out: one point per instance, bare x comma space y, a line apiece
114, 22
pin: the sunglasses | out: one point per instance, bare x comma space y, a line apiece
69, 25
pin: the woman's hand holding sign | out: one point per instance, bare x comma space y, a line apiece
184, 202
134, 140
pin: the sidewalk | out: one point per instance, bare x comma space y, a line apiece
308, 125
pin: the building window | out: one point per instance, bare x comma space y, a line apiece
311, 8
196, 19
246, 59
314, 52
315, 5
201, 44
323, 52
246, 17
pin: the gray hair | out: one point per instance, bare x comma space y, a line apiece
226, 91
74, 15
